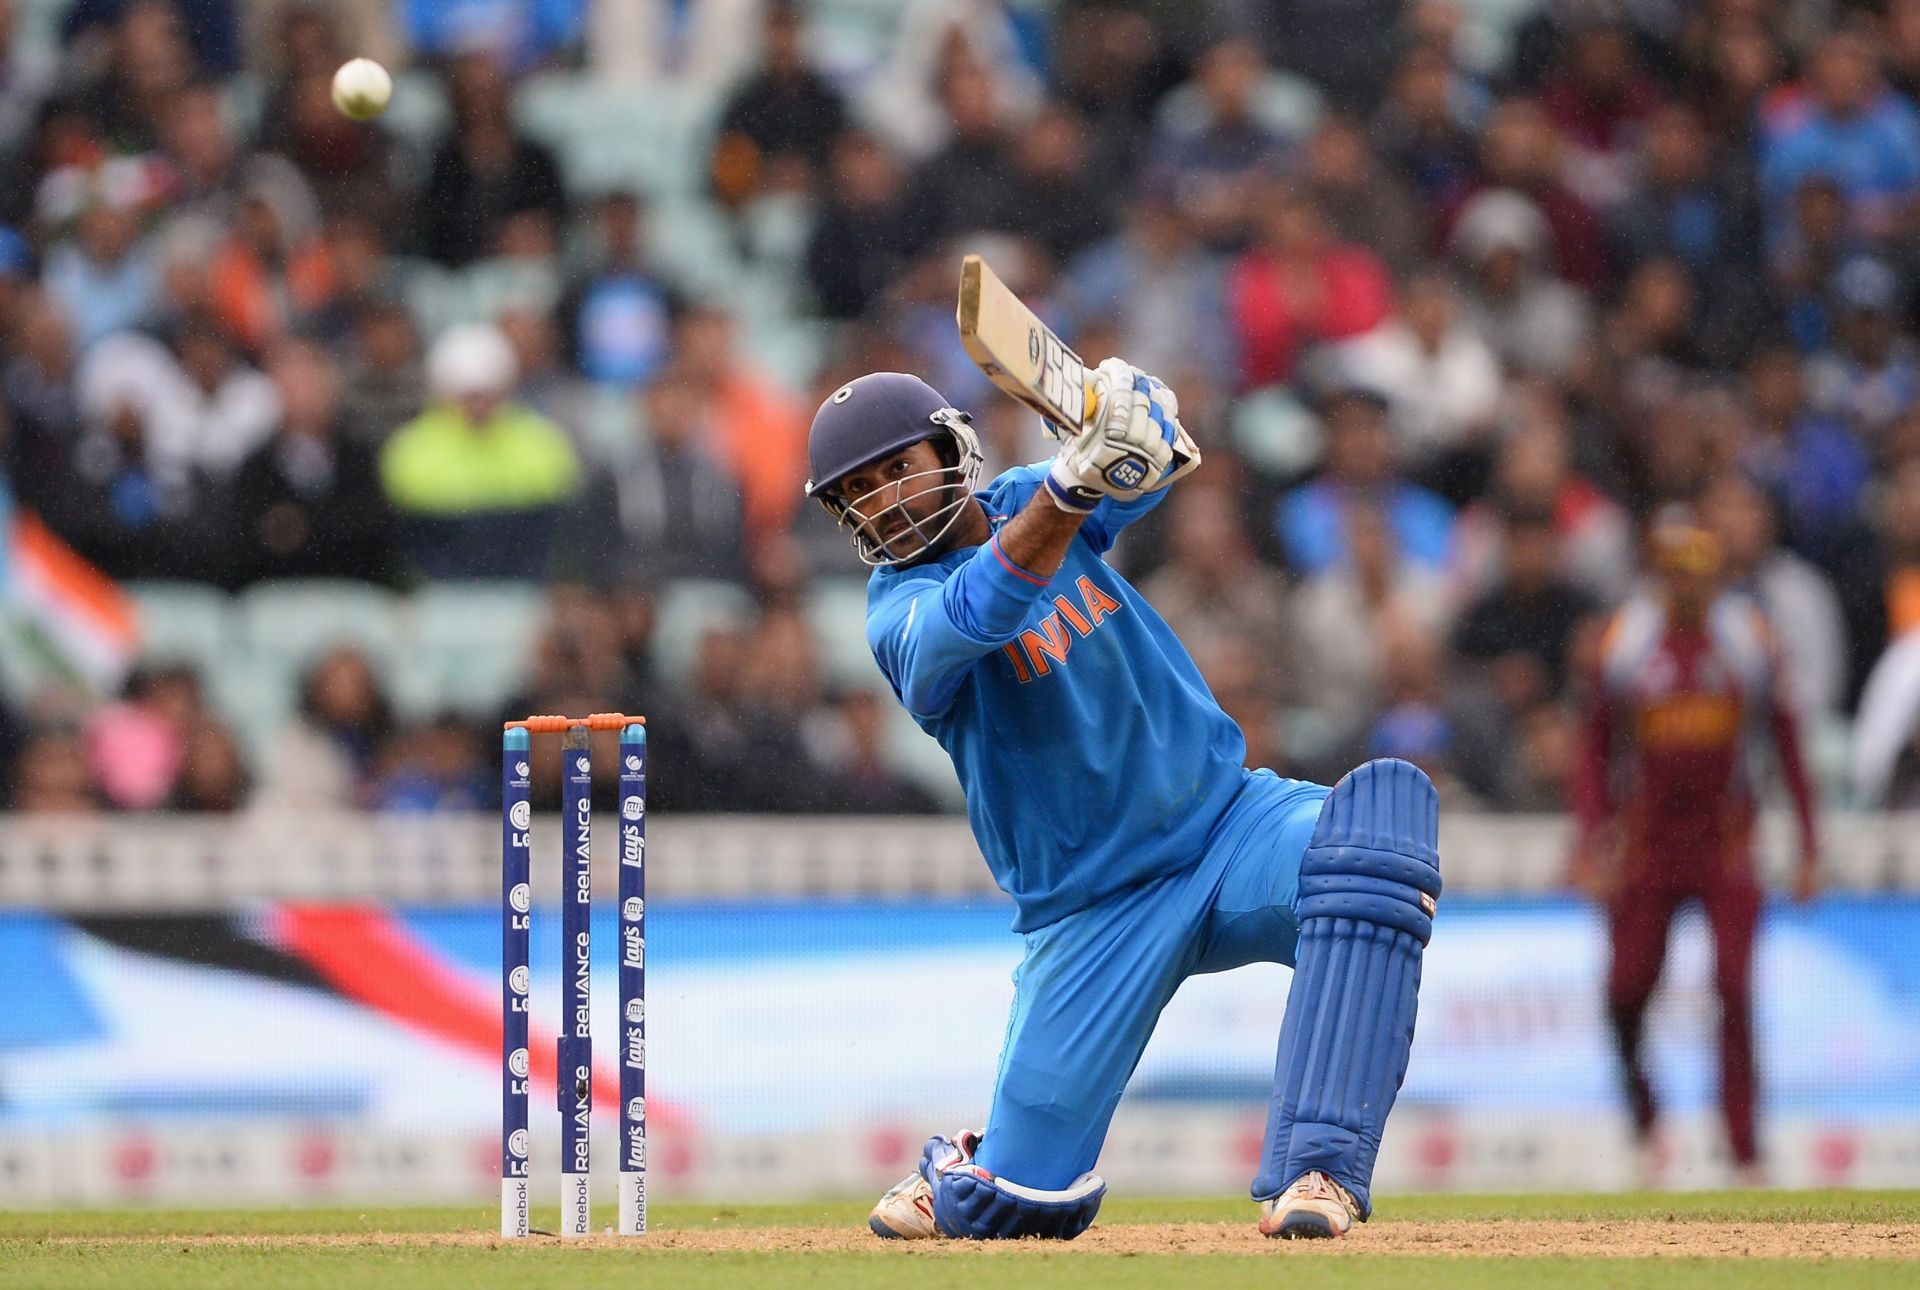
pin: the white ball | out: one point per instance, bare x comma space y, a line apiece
361, 89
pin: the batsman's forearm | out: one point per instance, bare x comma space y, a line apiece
1038, 537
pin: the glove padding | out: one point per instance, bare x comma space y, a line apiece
1133, 443
971, 1204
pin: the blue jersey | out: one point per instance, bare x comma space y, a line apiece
1093, 756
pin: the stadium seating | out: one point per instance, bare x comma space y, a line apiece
183, 622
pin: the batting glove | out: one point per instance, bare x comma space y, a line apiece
1127, 448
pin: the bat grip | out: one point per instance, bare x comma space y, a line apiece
1086, 418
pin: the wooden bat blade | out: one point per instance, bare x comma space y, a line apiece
1017, 352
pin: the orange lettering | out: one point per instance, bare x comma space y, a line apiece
1019, 664
1099, 603
1054, 645
1072, 615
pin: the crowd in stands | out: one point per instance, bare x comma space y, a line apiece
1455, 295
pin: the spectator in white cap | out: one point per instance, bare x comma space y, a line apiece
1535, 322
476, 478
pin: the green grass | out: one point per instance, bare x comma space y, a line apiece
160, 1248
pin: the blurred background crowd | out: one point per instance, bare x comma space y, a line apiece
498, 404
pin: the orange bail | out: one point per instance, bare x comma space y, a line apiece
554, 725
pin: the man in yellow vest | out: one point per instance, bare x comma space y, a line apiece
477, 479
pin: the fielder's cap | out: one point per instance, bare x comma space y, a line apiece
1867, 285
866, 419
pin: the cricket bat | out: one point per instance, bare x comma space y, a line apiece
1020, 354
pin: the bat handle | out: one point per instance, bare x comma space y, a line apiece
1086, 418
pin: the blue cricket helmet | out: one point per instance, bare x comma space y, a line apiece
875, 416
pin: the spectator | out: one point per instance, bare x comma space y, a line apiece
136, 748
349, 163
778, 127
864, 781
1534, 321
1214, 168
231, 408
1163, 295
213, 171
1239, 670
213, 777
132, 500
49, 775
308, 502
1846, 124
1298, 286
104, 278
1212, 585
757, 428
667, 509
521, 34
614, 315
130, 66
382, 384
909, 97
1343, 48
1418, 722
274, 271
483, 173
1312, 521
1535, 774
1341, 618
861, 243
477, 479
1797, 598
1425, 129
38, 388
1053, 198
1870, 376
1371, 206
1679, 207
1521, 152
1441, 380
435, 768
969, 184
1805, 261
324, 759
1519, 637
1599, 100
1810, 462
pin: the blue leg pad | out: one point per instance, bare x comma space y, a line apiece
1368, 885
972, 1204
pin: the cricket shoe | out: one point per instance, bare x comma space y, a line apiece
905, 1213
1315, 1206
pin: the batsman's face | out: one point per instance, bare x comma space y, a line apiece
896, 501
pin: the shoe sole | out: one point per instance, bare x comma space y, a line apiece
1304, 1227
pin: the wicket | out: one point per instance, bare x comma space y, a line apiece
573, 1072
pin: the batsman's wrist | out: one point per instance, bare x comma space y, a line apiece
1069, 493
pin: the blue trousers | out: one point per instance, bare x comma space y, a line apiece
1090, 988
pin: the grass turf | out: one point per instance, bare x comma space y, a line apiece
394, 1247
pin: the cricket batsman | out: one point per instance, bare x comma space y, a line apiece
1107, 792
1688, 685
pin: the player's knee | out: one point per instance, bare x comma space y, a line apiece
1374, 856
